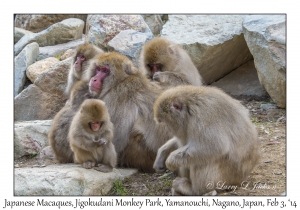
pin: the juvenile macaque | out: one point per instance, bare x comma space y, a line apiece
58, 133
213, 137
168, 64
129, 97
91, 135
80, 62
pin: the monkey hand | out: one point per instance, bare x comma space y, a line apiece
159, 77
88, 164
101, 141
171, 163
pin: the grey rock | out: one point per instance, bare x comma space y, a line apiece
38, 67
130, 43
242, 82
38, 23
54, 79
65, 179
103, 28
215, 43
62, 32
58, 50
30, 137
154, 22
27, 56
266, 39
34, 104
19, 33
268, 106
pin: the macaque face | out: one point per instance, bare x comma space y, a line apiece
95, 126
96, 82
80, 58
155, 67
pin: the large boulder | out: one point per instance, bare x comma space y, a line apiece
27, 57
65, 179
38, 67
34, 104
62, 32
30, 137
130, 43
266, 38
242, 82
19, 33
38, 23
154, 22
103, 28
215, 43
58, 50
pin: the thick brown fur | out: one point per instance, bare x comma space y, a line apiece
129, 97
214, 138
88, 50
58, 133
93, 147
176, 67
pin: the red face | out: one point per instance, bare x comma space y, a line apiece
80, 58
95, 126
155, 68
96, 82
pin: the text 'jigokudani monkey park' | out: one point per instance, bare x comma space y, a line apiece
157, 114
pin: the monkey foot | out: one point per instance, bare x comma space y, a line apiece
103, 168
88, 164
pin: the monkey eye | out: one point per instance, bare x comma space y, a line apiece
150, 66
105, 69
97, 69
81, 56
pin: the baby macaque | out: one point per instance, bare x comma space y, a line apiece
214, 138
91, 135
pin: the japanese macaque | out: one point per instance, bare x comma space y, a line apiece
91, 135
213, 138
129, 97
80, 62
58, 133
168, 64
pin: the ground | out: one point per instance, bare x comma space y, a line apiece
267, 178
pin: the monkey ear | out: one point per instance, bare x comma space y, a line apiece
176, 106
171, 49
129, 68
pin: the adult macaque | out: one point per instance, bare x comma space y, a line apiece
91, 135
168, 64
58, 133
129, 97
214, 138
80, 62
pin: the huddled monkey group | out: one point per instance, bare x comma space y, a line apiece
153, 117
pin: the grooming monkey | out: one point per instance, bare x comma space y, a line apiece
80, 62
129, 97
58, 133
214, 138
168, 64
91, 135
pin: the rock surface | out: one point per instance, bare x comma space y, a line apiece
30, 137
37, 23
214, 42
54, 79
38, 67
60, 49
103, 28
19, 33
242, 82
27, 56
34, 104
65, 179
62, 32
154, 22
266, 39
130, 43
69, 53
